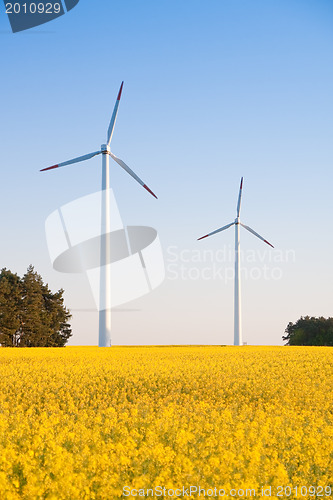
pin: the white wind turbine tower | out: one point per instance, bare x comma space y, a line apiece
237, 303
105, 285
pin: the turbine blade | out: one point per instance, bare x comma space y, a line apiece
239, 197
217, 231
256, 234
74, 160
114, 115
133, 174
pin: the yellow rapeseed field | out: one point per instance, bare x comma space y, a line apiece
85, 422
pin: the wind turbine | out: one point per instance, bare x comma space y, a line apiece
105, 256
237, 303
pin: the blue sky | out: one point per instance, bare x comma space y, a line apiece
213, 91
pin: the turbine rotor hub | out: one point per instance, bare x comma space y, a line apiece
105, 149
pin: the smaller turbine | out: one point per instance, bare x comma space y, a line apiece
237, 303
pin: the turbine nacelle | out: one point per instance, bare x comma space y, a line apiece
105, 149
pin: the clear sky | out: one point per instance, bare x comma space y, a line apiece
214, 90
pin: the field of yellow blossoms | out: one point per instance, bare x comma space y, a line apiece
84, 422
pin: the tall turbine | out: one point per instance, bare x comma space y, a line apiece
105, 257
237, 303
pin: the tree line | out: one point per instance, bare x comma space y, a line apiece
310, 331
30, 314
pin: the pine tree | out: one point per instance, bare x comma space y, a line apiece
30, 314
10, 311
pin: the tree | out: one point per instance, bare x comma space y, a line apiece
310, 331
30, 314
10, 313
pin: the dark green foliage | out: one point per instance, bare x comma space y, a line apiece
10, 311
30, 314
310, 331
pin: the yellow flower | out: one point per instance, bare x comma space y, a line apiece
82, 423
